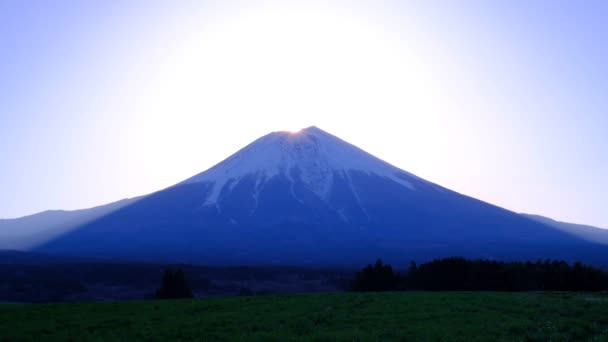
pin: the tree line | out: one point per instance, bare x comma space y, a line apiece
460, 274
451, 274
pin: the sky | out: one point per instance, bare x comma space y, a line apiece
505, 101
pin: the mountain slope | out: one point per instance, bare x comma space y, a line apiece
312, 199
29, 231
589, 233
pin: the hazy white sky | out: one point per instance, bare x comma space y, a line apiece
500, 100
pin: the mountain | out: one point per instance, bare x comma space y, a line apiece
589, 233
310, 199
29, 231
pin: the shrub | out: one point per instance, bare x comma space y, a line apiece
379, 277
174, 285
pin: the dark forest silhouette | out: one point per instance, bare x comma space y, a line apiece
459, 274
174, 285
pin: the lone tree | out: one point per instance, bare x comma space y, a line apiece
379, 277
174, 285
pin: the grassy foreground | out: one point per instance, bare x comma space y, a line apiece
409, 316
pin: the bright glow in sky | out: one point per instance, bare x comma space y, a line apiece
504, 101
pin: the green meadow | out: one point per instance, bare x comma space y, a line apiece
388, 316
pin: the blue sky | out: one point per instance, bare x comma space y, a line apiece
500, 100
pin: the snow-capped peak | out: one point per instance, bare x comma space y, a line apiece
312, 153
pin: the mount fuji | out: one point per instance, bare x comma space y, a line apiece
312, 199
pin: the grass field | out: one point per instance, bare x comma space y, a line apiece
405, 316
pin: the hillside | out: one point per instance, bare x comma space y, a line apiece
586, 232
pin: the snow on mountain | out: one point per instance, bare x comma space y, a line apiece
310, 198
312, 155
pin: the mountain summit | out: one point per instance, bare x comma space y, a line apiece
310, 198
310, 156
